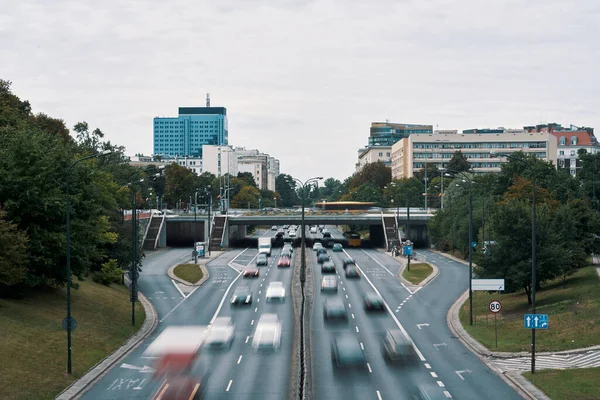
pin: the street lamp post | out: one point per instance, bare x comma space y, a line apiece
302, 241
442, 171
468, 180
533, 248
209, 194
68, 261
195, 252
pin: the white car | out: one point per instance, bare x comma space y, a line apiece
220, 334
268, 333
292, 233
313, 229
317, 246
276, 291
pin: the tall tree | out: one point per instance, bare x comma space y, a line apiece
246, 198
13, 254
286, 187
376, 174
458, 163
247, 176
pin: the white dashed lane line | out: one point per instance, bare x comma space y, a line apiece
240, 359
229, 385
433, 374
379, 395
361, 346
441, 384
370, 370
252, 323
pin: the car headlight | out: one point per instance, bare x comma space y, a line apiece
248, 299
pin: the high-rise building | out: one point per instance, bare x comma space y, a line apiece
388, 133
264, 168
194, 127
219, 160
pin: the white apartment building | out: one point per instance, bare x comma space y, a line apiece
413, 153
372, 154
263, 167
192, 163
219, 160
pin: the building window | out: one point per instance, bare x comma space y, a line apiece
380, 154
572, 152
561, 153
562, 141
573, 140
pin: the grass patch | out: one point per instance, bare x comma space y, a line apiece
418, 272
579, 384
574, 316
34, 346
191, 273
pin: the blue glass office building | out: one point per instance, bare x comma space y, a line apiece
183, 136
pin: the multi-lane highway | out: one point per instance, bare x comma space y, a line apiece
242, 373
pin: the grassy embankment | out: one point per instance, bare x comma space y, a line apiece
33, 344
418, 272
188, 272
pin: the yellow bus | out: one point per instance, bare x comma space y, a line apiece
353, 239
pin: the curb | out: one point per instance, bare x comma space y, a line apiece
94, 374
204, 278
523, 387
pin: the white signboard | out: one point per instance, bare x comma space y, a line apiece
487, 284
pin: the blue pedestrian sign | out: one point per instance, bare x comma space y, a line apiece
408, 250
473, 244
535, 321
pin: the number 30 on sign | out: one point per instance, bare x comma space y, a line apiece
495, 306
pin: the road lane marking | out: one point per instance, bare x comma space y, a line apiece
260, 291
441, 384
256, 309
240, 360
346, 296
247, 338
370, 370
344, 289
352, 316
349, 305
433, 374
361, 346
447, 394
379, 395
421, 357
427, 366
252, 323
357, 329
229, 385
177, 287
403, 285
223, 299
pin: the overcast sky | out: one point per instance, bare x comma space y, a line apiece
303, 79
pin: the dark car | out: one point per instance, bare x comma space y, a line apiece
397, 347
334, 309
322, 258
326, 234
321, 250
251, 272
348, 261
328, 267
374, 302
352, 272
242, 295
347, 353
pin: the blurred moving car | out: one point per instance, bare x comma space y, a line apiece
328, 267
338, 247
313, 229
329, 283
275, 290
251, 272
429, 391
268, 333
220, 333
347, 353
322, 258
374, 302
292, 233
352, 272
334, 309
283, 261
397, 347
317, 246
241, 295
262, 259
348, 261
274, 228
321, 250
181, 387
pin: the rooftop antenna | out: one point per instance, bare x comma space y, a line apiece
207, 99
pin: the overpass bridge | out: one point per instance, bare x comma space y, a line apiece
181, 229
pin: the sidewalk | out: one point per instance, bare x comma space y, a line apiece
511, 365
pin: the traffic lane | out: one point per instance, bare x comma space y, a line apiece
391, 379
242, 372
377, 379
132, 377
381, 269
462, 373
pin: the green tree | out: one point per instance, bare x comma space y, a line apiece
13, 255
180, 184
376, 174
247, 176
286, 187
247, 197
458, 163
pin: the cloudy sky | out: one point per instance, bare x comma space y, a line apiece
303, 79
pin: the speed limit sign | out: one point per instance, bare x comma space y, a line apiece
495, 306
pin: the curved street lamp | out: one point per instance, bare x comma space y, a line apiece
303, 243
467, 179
68, 234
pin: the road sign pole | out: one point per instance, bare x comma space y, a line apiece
487, 296
496, 329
